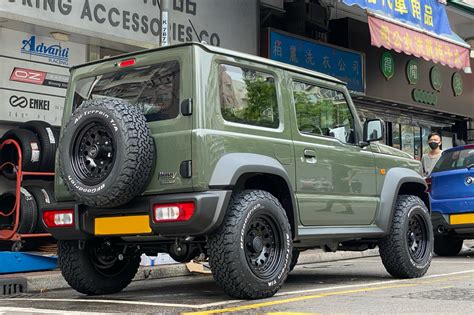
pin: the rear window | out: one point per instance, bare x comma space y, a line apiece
455, 160
153, 89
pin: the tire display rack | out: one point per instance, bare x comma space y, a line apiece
13, 234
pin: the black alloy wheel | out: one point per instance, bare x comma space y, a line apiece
263, 245
417, 237
93, 153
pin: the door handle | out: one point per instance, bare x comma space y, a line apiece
309, 153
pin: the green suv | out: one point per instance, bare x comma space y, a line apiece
193, 150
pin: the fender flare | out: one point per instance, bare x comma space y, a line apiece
232, 166
394, 179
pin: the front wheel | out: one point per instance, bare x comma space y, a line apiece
97, 268
250, 254
406, 251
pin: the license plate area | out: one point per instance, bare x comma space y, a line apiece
465, 218
122, 225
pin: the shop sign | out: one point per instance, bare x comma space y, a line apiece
412, 71
425, 97
457, 84
436, 78
229, 24
53, 53
346, 65
428, 15
39, 78
387, 65
25, 106
398, 38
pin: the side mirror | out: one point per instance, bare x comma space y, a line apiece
374, 130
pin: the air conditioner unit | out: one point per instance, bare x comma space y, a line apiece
317, 14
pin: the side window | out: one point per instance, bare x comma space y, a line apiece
321, 111
248, 96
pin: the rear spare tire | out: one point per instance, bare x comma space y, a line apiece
106, 153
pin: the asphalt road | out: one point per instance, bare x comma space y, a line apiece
344, 287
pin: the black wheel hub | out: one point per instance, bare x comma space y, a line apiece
263, 246
93, 153
417, 237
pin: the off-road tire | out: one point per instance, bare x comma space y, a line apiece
447, 246
79, 271
133, 158
394, 248
30, 149
294, 259
227, 247
44, 196
48, 138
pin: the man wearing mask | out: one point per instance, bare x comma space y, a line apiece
429, 160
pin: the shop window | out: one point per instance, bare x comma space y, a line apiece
396, 141
417, 140
153, 89
248, 96
408, 141
324, 112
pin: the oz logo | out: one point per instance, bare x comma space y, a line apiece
18, 101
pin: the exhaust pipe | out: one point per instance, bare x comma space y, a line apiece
441, 229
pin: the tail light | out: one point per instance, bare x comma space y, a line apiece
173, 212
428, 181
58, 218
126, 63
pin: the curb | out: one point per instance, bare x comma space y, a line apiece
53, 280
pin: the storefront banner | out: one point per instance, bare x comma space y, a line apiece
401, 39
429, 15
346, 65
19, 106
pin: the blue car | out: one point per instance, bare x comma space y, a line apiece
452, 199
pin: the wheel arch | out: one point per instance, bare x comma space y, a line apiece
399, 181
239, 171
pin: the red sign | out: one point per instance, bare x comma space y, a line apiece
402, 39
28, 76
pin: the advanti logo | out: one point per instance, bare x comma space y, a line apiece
55, 53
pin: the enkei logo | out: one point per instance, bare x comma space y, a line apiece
18, 101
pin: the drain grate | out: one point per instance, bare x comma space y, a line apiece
11, 286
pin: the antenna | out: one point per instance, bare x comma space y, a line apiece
195, 32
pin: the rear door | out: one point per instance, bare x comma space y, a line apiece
453, 175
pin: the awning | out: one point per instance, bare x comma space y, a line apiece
419, 44
415, 27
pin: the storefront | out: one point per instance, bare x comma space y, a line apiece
413, 92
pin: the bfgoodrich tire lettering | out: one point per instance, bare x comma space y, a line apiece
87, 274
250, 253
406, 251
114, 169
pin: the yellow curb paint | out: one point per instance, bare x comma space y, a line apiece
295, 299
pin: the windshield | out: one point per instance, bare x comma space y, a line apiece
455, 160
153, 89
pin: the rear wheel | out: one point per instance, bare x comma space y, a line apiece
97, 268
447, 246
406, 251
250, 254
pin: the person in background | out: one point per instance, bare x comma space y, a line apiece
429, 160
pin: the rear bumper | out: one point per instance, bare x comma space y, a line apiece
208, 215
442, 224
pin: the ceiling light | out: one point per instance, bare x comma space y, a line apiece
62, 37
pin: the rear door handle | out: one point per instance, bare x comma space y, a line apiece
309, 153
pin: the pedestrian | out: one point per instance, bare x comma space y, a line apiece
429, 160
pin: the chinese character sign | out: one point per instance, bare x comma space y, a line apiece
429, 15
415, 43
342, 64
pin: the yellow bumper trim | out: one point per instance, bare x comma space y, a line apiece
131, 224
465, 218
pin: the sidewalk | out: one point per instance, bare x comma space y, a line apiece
52, 280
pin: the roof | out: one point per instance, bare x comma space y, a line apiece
227, 52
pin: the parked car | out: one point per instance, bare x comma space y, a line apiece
452, 199
192, 149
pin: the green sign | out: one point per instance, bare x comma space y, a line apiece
436, 78
387, 65
412, 71
457, 84
425, 97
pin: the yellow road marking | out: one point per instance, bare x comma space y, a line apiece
295, 299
